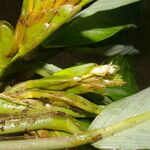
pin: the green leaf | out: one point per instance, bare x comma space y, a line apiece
136, 137
77, 70
127, 71
86, 29
103, 5
6, 42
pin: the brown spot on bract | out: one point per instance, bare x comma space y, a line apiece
59, 3
60, 113
23, 21
75, 109
2, 128
96, 138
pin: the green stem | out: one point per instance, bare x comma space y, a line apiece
82, 138
69, 98
47, 121
52, 143
10, 106
52, 83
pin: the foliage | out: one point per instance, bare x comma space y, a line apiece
135, 137
54, 108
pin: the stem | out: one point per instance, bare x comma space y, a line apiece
126, 124
82, 138
33, 107
52, 143
52, 83
69, 98
47, 121
7, 107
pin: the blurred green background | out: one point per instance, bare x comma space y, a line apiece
140, 38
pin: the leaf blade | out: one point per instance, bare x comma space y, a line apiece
91, 29
119, 111
103, 5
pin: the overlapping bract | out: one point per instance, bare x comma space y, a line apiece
39, 18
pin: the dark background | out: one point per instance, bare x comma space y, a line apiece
140, 38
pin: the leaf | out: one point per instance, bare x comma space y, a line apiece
103, 5
120, 50
38, 20
6, 42
86, 29
122, 56
136, 137
109, 50
127, 71
77, 70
